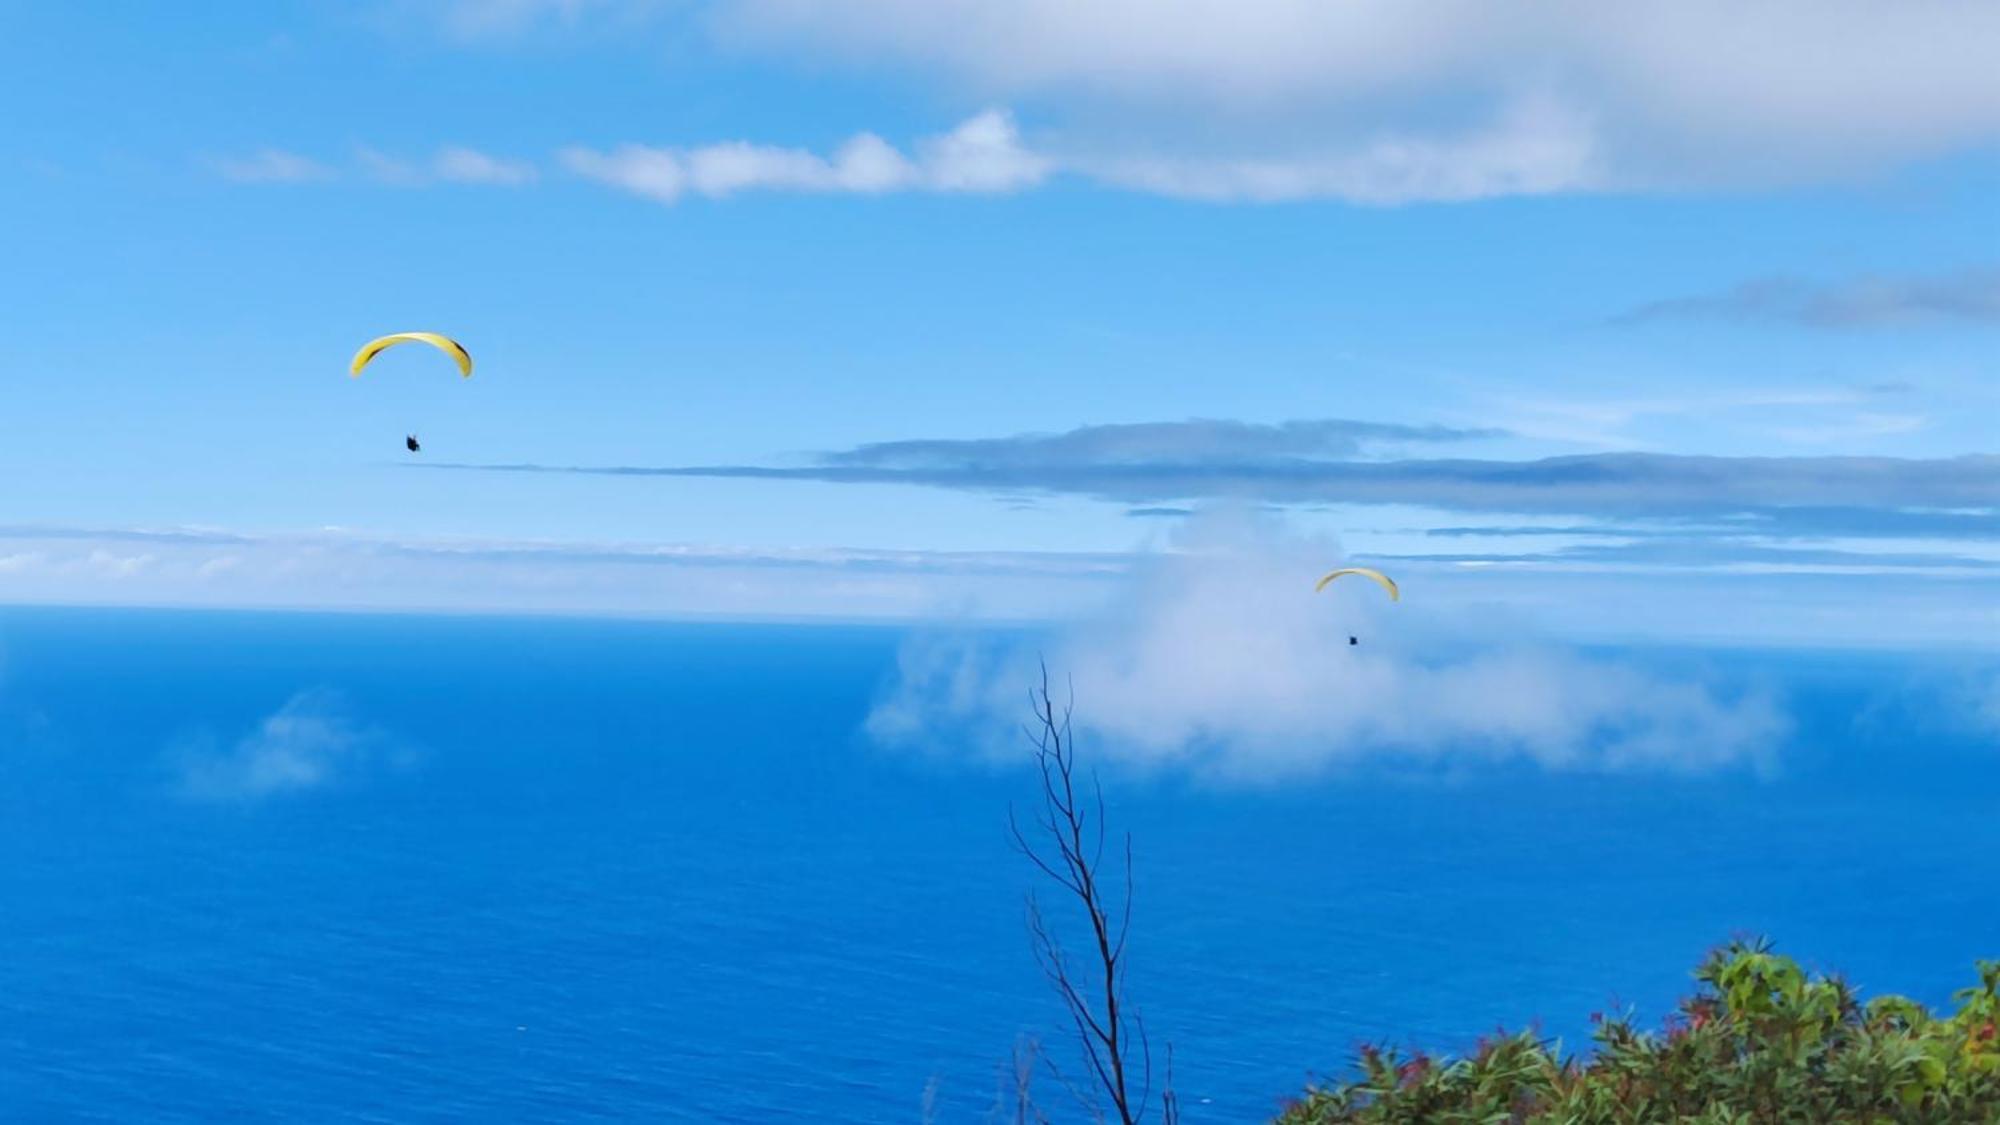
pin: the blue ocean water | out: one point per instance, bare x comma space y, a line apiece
628, 871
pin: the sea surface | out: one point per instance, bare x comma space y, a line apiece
552, 870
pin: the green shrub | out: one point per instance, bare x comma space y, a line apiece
1759, 1043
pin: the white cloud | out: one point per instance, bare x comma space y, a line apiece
308, 743
386, 169
451, 164
1699, 92
115, 565
1215, 660
1374, 101
459, 165
1986, 706
1535, 148
1532, 149
983, 154
485, 19
1800, 416
271, 166
1862, 426
340, 570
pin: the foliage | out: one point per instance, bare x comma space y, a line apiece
1759, 1043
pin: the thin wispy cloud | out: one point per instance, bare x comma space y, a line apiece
1986, 705
1531, 149
490, 20
459, 165
1700, 552
1218, 659
347, 570
450, 164
1861, 426
982, 155
309, 743
1966, 296
90, 539
1791, 522
1828, 416
122, 534
271, 166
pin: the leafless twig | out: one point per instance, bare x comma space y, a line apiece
1067, 845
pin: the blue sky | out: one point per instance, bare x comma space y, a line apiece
1771, 240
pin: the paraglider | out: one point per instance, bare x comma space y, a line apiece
445, 344
1380, 578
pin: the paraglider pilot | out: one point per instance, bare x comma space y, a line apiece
411, 441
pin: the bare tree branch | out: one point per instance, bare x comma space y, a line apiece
1068, 848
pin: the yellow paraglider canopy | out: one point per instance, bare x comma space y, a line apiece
445, 344
1384, 580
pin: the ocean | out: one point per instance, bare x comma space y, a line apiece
343, 868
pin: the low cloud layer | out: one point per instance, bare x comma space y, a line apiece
1221, 659
307, 744
1966, 297
1875, 592
171, 566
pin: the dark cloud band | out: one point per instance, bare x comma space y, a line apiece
1969, 296
1609, 484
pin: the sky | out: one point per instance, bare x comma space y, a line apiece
921, 309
